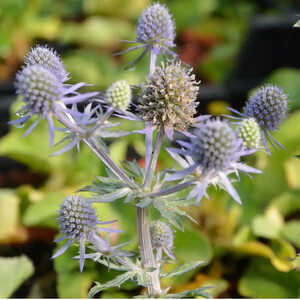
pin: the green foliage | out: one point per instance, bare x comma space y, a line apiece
263, 281
13, 272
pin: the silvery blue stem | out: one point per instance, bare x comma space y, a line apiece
153, 58
153, 161
93, 144
142, 218
172, 189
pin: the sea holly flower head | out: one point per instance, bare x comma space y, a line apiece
118, 95
213, 153
49, 59
155, 32
78, 222
156, 29
44, 95
249, 132
214, 146
268, 106
162, 239
168, 97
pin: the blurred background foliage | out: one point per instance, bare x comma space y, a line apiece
248, 251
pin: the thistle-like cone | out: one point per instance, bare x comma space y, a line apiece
214, 146
155, 28
169, 97
161, 235
76, 218
268, 106
119, 95
49, 59
249, 132
39, 87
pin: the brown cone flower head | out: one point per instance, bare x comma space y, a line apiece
169, 97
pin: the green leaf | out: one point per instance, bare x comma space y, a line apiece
74, 284
278, 255
287, 203
263, 281
71, 283
9, 214
118, 150
186, 267
291, 231
269, 225
191, 294
44, 212
13, 272
192, 245
116, 282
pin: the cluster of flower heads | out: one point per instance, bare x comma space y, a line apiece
208, 156
41, 83
268, 107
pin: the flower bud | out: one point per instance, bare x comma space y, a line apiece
249, 132
161, 235
119, 95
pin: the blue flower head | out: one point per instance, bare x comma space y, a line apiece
48, 58
156, 29
78, 222
213, 152
268, 106
155, 32
215, 146
44, 93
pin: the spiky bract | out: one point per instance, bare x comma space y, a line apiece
119, 95
48, 58
268, 105
169, 97
155, 28
249, 132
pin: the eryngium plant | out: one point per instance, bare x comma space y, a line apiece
209, 152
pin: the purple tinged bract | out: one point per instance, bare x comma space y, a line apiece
213, 152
